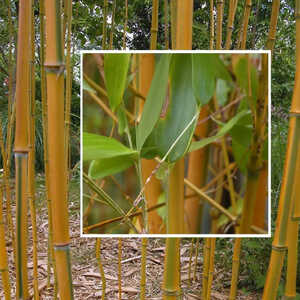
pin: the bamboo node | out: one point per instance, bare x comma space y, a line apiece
62, 247
279, 248
175, 293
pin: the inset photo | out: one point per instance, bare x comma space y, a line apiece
175, 143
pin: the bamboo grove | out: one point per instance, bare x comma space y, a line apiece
185, 185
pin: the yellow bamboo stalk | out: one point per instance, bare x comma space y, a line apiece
261, 197
54, 67
125, 24
153, 189
166, 13
289, 177
196, 258
197, 171
120, 267
184, 22
255, 162
220, 6
21, 145
190, 262
143, 268
51, 258
211, 266
3, 253
273, 25
247, 11
212, 25
98, 257
232, 10
206, 254
171, 284
31, 160
175, 219
104, 25
112, 29
68, 4
154, 24
235, 268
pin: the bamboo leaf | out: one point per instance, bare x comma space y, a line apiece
241, 72
115, 73
99, 147
225, 129
206, 68
87, 87
181, 109
222, 91
155, 99
108, 166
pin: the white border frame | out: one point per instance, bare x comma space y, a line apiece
92, 235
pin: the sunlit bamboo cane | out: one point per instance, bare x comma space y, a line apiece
54, 67
273, 25
235, 268
232, 10
247, 11
211, 267
22, 145
220, 6
289, 179
154, 24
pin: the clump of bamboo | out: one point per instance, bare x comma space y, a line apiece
290, 178
54, 67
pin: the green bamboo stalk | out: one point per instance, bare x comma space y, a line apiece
154, 24
143, 268
112, 29
98, 257
171, 284
104, 24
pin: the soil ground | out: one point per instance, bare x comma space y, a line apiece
85, 271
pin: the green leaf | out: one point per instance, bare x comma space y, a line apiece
205, 69
180, 111
241, 72
115, 73
99, 147
222, 91
122, 120
155, 99
225, 129
108, 166
162, 211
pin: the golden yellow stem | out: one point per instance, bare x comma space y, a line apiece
232, 10
273, 25
98, 257
211, 267
220, 6
3, 254
235, 268
245, 23
207, 244
154, 24
143, 268
212, 25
